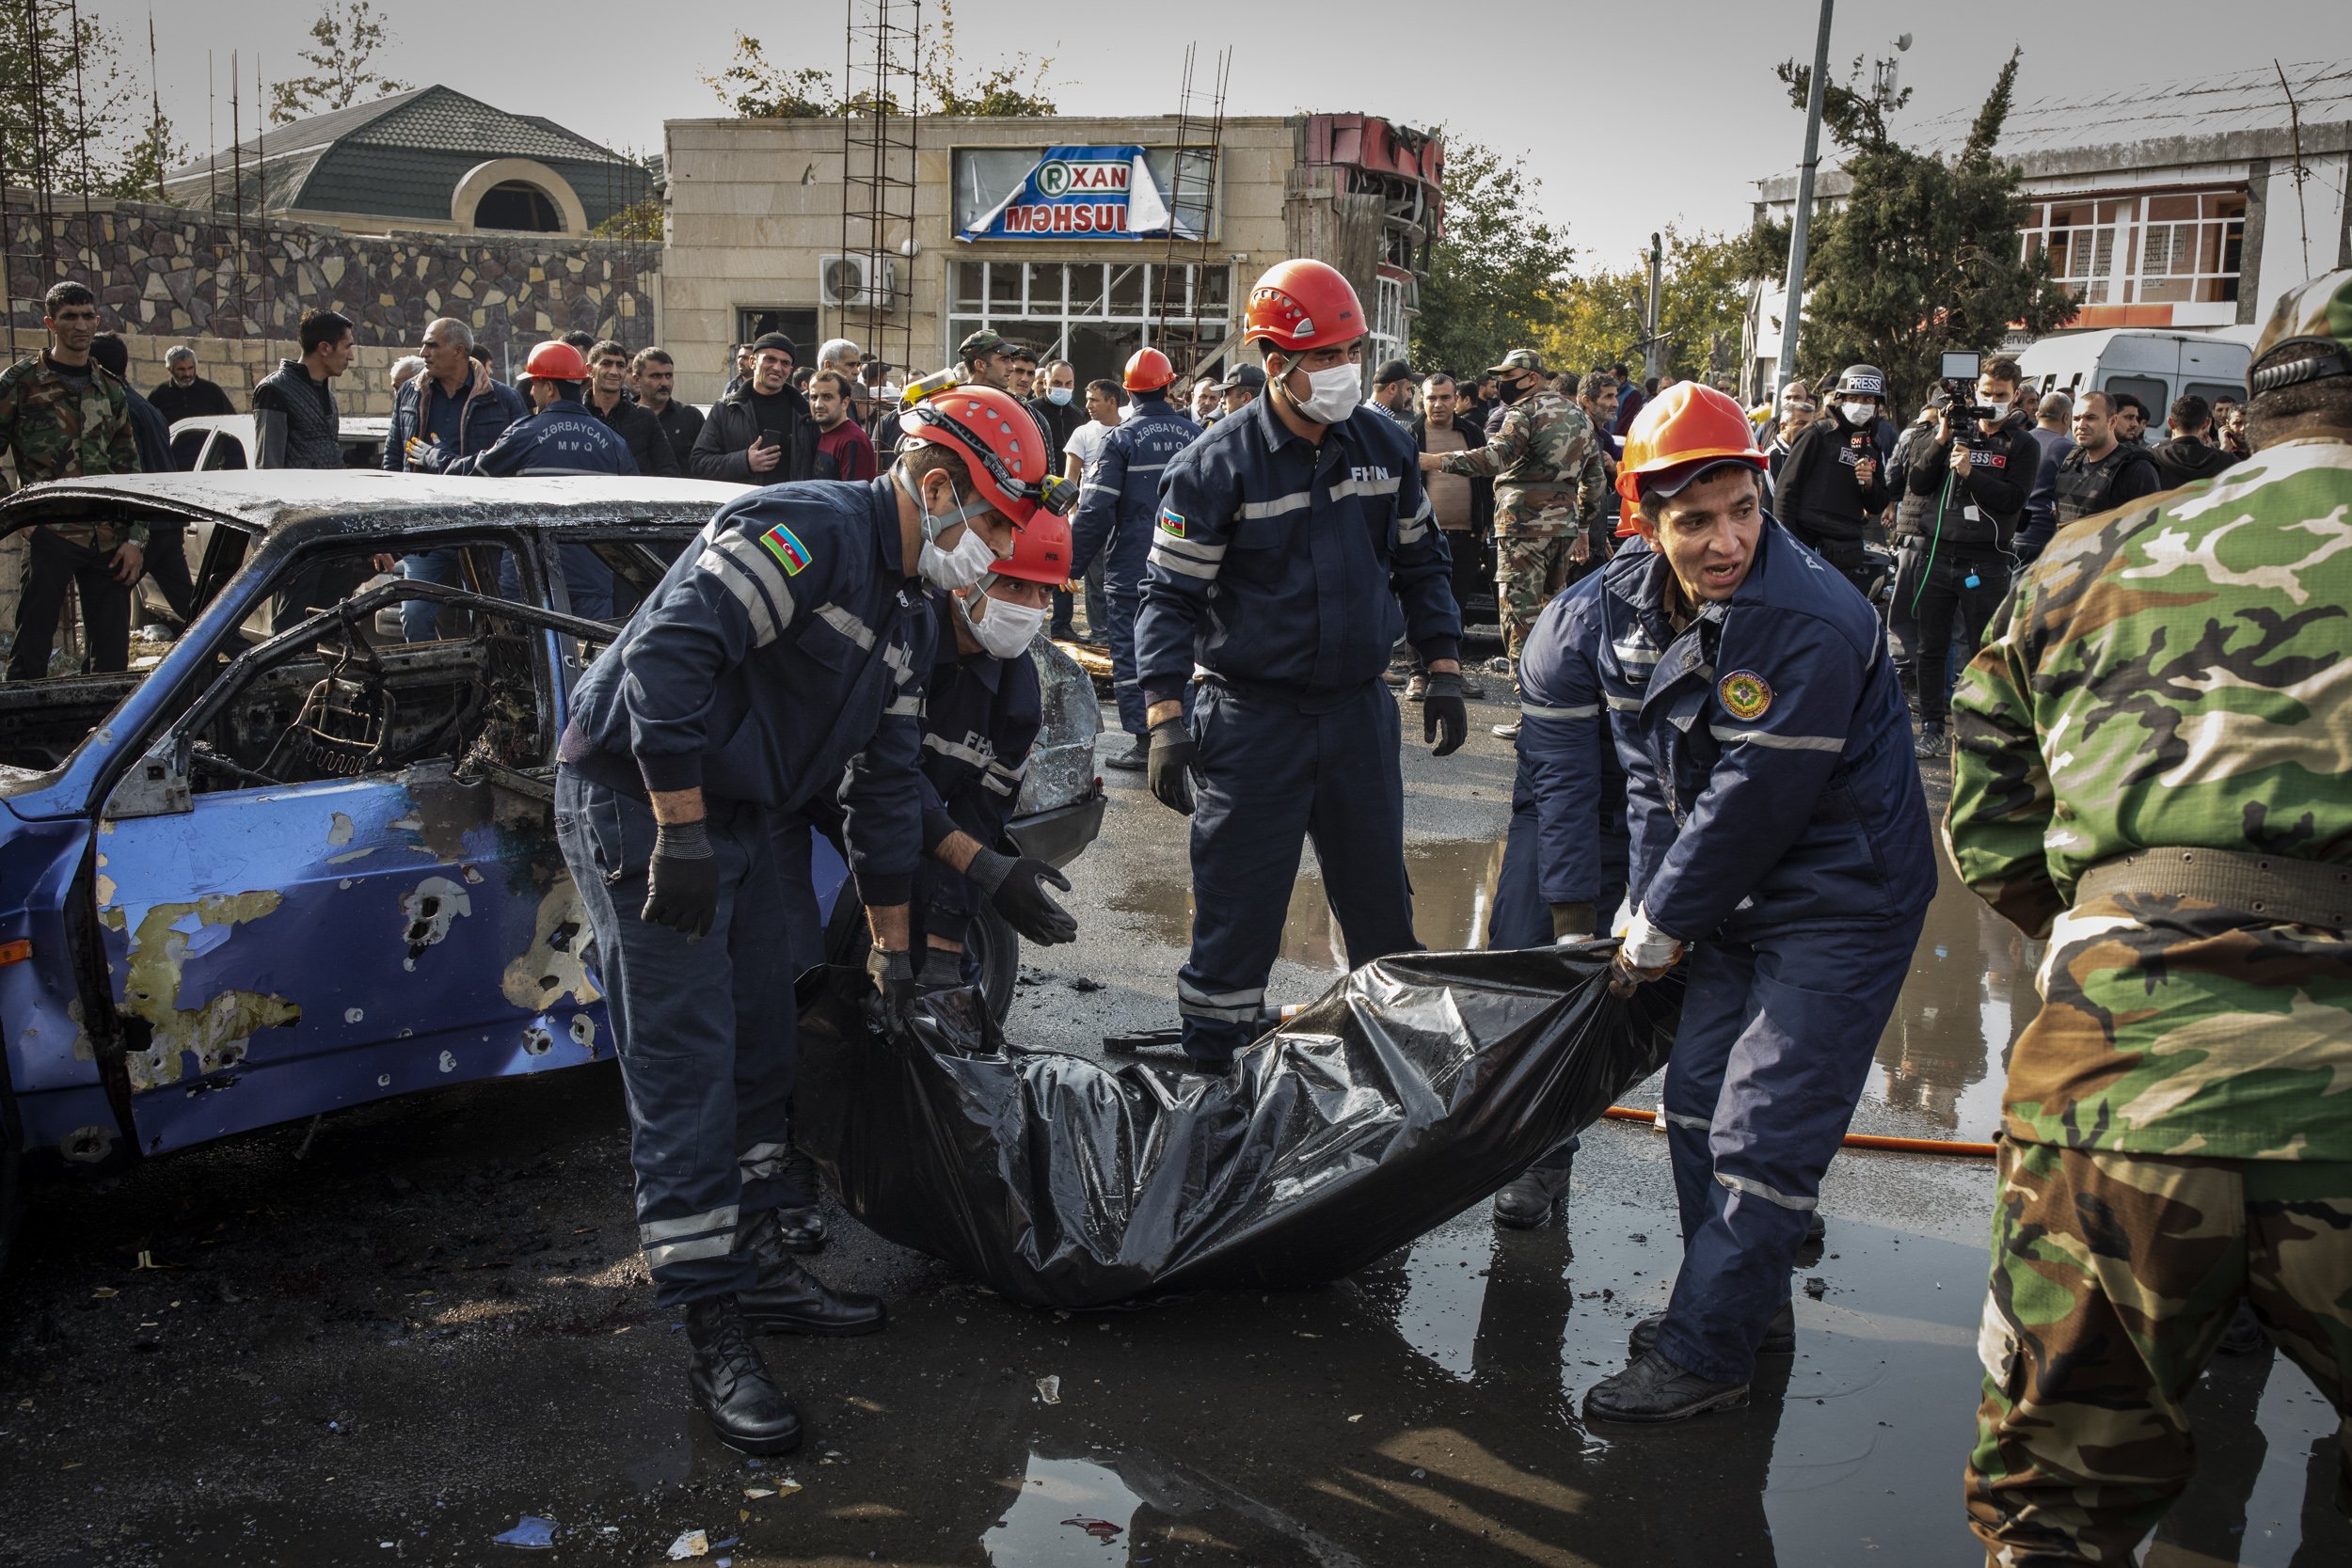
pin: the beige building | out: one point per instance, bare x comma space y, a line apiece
756, 239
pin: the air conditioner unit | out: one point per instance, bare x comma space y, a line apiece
858, 280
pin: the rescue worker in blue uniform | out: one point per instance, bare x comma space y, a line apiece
1778, 834
1564, 865
1286, 540
783, 648
559, 437
1115, 506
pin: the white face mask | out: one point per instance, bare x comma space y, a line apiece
1857, 413
1332, 394
964, 564
2000, 407
1057, 396
1002, 629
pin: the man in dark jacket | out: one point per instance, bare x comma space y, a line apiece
2050, 418
299, 391
761, 433
1057, 408
150, 433
459, 410
1973, 476
657, 389
2190, 454
2102, 472
1831, 485
184, 394
610, 400
558, 438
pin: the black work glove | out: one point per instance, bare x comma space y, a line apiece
942, 970
1170, 767
897, 997
682, 882
1016, 887
1443, 718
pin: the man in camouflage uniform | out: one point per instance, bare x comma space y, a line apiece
1548, 473
2152, 757
63, 414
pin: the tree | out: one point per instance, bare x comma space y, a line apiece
1702, 297
1924, 255
641, 219
755, 88
69, 121
1495, 271
341, 54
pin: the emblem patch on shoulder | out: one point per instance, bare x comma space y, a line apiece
786, 547
1172, 522
1744, 694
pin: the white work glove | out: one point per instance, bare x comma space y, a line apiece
1645, 954
1571, 939
1622, 922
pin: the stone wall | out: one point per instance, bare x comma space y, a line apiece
173, 275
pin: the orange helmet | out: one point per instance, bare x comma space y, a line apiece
1040, 552
1303, 304
555, 361
1000, 444
1680, 434
1147, 370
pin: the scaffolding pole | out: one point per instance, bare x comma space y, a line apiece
875, 279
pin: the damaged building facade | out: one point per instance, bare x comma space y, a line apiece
1055, 231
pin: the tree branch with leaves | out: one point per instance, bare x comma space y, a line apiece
342, 54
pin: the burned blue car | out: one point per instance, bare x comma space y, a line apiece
302, 856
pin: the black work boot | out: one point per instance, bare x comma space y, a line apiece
1931, 745
1780, 1334
731, 1384
800, 1223
790, 1300
1528, 1202
1135, 759
1655, 1390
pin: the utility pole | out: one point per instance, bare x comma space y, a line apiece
1799, 232
1649, 325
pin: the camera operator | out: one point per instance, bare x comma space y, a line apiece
1974, 474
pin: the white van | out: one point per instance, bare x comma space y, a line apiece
2152, 365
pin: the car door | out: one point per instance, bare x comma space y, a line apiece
280, 948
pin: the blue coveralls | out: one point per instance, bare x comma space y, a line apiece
1779, 832
562, 438
1280, 565
1568, 840
786, 645
1115, 506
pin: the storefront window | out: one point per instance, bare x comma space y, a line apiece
1093, 315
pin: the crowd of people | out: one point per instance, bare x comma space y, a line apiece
2131, 655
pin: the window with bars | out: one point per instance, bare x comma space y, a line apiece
1092, 313
2180, 247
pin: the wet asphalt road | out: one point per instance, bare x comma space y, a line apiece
388, 1340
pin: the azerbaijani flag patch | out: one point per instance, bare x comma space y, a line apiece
1172, 522
786, 547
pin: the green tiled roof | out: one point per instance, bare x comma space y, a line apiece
402, 157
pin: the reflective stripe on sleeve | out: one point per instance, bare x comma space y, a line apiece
1294, 501
746, 593
956, 750
1206, 570
1780, 742
1588, 710
904, 707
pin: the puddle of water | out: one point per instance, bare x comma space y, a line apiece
1036, 1532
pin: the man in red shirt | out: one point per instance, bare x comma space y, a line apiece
839, 436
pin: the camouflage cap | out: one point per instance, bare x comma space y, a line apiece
2317, 314
1517, 360
987, 341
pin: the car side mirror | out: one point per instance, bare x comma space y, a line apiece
156, 785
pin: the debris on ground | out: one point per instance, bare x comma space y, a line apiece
1049, 1389
532, 1533
1102, 1529
692, 1542
1816, 1287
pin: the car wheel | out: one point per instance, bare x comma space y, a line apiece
993, 943
11, 1171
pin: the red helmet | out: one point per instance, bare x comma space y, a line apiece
1040, 552
1000, 444
555, 361
1147, 370
1678, 435
1303, 304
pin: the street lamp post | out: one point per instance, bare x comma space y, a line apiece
1799, 232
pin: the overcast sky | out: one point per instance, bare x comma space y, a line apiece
1560, 79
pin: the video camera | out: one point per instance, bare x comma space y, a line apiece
1961, 369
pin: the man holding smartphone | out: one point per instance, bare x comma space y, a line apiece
761, 433
1974, 474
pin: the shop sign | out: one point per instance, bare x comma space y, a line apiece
1105, 193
